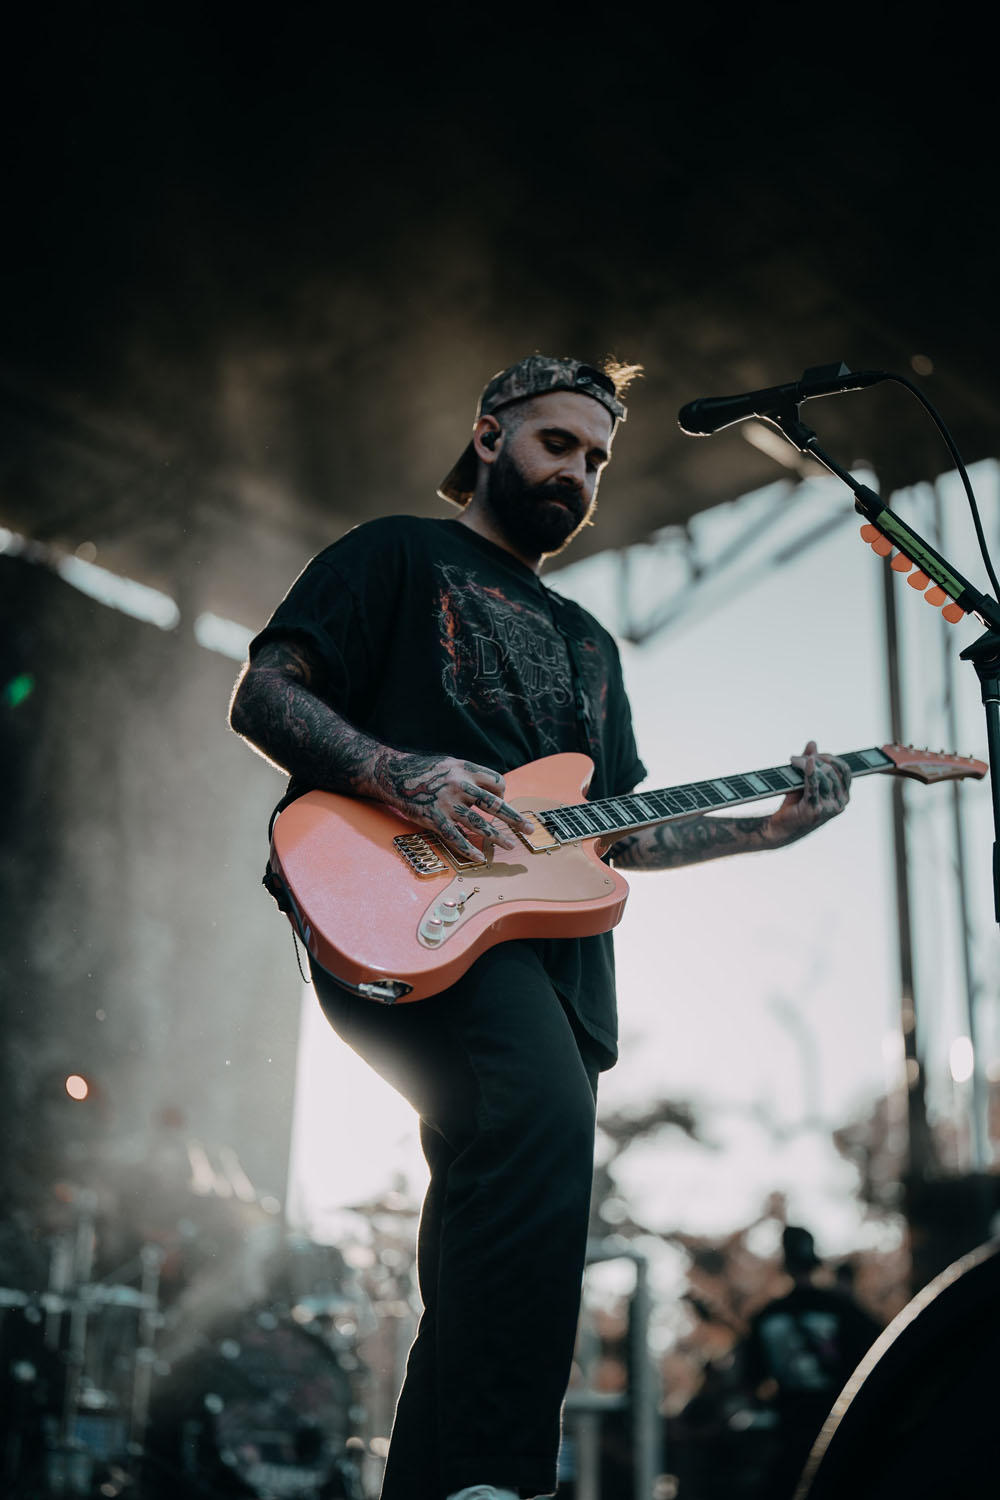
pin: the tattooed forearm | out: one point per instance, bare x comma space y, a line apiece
672, 845
297, 731
825, 792
278, 706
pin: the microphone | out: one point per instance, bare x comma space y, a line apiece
711, 413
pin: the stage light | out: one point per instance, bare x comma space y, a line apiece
125, 594
17, 689
223, 636
77, 1086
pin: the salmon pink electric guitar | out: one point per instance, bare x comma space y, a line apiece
392, 913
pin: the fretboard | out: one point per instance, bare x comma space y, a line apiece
617, 815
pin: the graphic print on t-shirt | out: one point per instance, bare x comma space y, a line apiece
502, 655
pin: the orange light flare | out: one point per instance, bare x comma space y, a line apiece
77, 1086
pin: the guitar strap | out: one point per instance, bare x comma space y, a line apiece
286, 801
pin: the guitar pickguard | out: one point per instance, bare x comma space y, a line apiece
563, 874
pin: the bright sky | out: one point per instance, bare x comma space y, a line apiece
762, 989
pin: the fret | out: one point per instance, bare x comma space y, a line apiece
638, 809
724, 790
782, 778
741, 786
861, 761
675, 804
683, 799
573, 822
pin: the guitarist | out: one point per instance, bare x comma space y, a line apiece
406, 639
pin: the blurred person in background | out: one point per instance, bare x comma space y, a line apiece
801, 1351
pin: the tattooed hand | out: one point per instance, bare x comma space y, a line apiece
278, 706
824, 794
456, 799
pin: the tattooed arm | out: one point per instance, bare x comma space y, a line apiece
824, 794
279, 708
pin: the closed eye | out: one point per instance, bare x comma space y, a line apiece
557, 440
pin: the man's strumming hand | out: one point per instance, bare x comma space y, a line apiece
460, 801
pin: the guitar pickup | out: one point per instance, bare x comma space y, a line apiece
539, 838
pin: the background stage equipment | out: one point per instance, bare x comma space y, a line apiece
918, 1418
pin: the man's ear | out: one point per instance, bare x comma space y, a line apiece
486, 438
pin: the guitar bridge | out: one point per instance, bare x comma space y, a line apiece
427, 856
423, 855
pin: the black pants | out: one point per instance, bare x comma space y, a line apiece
505, 1088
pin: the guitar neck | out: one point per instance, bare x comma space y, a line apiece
614, 816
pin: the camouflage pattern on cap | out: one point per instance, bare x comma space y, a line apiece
536, 375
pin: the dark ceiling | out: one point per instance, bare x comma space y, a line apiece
255, 274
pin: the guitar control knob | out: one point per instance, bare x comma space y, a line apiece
432, 930
449, 911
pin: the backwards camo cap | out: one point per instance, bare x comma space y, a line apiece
534, 376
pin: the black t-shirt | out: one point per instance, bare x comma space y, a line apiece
809, 1342
437, 641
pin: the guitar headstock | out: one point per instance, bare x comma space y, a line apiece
933, 765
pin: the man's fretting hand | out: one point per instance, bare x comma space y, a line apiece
824, 793
461, 802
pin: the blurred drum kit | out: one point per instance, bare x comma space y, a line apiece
105, 1392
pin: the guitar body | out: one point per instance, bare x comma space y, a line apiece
390, 913
369, 918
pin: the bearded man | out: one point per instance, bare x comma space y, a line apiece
415, 662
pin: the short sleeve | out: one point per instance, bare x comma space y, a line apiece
318, 609
337, 605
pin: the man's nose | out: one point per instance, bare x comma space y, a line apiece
573, 472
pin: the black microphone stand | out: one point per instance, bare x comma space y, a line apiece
984, 654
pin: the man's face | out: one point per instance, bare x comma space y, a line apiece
542, 488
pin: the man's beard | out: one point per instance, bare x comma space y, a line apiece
536, 519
